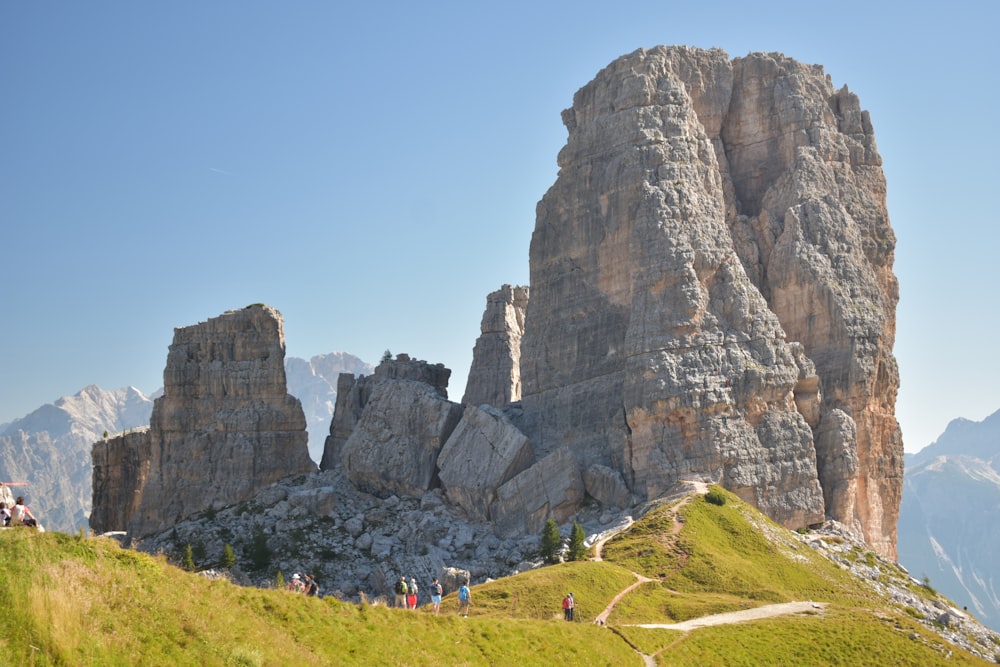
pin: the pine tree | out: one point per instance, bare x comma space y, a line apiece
228, 557
188, 562
279, 581
551, 542
577, 549
260, 553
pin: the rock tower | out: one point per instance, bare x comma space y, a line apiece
223, 429
712, 294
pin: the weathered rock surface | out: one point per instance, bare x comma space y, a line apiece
398, 436
225, 427
393, 449
120, 470
552, 488
606, 486
483, 452
711, 282
495, 373
810, 224
354, 392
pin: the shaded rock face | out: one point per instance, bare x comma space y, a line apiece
225, 426
354, 392
712, 294
495, 373
393, 449
552, 488
121, 467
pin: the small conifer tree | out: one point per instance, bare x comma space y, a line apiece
228, 557
188, 561
279, 581
577, 550
260, 553
386, 356
551, 542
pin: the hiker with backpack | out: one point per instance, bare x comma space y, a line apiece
436, 592
312, 588
400, 593
411, 594
464, 599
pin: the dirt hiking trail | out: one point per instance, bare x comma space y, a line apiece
767, 611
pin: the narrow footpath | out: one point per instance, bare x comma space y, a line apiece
767, 611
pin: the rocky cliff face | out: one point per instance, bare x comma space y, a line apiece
712, 294
120, 471
225, 426
495, 374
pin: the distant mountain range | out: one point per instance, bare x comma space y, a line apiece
949, 525
50, 447
314, 383
50, 450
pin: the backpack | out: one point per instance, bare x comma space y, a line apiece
400, 588
436, 589
463, 593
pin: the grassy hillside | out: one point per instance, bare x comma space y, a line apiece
72, 600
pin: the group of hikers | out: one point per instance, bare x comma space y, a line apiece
407, 595
18, 515
305, 584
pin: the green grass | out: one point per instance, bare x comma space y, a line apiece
722, 561
80, 601
839, 637
73, 600
537, 594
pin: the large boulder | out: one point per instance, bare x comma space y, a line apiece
551, 488
394, 447
484, 451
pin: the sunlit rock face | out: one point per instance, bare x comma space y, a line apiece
225, 426
712, 293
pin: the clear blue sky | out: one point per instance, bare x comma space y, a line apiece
372, 171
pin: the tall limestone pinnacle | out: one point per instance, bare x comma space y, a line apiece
224, 428
712, 294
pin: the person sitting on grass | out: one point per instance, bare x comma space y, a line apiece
20, 515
